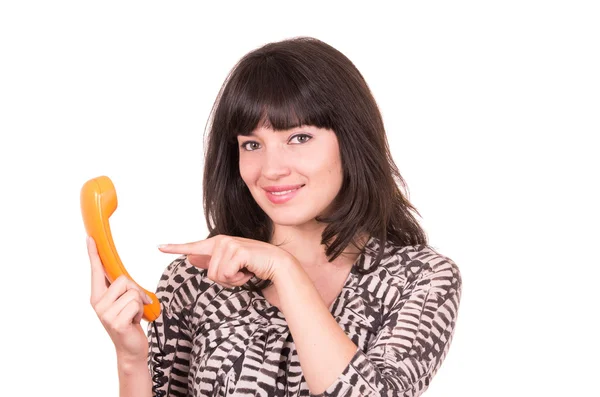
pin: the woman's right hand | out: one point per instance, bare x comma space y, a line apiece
119, 307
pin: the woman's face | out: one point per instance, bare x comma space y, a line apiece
305, 159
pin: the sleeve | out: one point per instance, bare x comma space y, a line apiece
412, 342
170, 332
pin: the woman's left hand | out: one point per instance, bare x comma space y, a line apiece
232, 261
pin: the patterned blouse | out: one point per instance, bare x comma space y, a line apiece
232, 342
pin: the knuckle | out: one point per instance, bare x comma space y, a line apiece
133, 294
138, 299
104, 319
226, 239
241, 252
96, 306
136, 303
234, 245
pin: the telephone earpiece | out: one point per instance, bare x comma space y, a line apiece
98, 202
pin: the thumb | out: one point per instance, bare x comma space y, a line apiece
200, 261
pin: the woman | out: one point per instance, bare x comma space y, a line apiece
315, 278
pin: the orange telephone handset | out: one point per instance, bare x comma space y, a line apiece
98, 202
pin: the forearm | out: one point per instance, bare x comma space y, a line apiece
323, 348
134, 379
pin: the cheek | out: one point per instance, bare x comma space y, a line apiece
336, 175
333, 167
249, 171
323, 171
336, 166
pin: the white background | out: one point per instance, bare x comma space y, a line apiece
490, 107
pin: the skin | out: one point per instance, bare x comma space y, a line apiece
305, 155
119, 307
305, 283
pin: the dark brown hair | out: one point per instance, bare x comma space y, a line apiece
295, 82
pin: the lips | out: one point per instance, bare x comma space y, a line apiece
282, 194
281, 188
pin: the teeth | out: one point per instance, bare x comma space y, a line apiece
282, 193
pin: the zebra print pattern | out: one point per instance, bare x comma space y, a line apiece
233, 342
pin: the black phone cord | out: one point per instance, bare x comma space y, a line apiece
157, 367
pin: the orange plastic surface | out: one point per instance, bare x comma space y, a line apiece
98, 202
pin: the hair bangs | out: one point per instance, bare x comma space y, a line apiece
273, 97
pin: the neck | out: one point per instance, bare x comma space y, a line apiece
304, 243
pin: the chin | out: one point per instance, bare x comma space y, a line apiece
290, 218
283, 220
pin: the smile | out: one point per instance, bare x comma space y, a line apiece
282, 197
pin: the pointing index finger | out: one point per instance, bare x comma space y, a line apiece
202, 247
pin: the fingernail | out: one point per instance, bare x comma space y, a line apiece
162, 245
148, 299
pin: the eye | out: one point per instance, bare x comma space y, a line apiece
302, 136
245, 145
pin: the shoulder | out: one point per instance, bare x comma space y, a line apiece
180, 284
417, 266
425, 266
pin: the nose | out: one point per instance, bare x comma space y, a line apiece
275, 164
